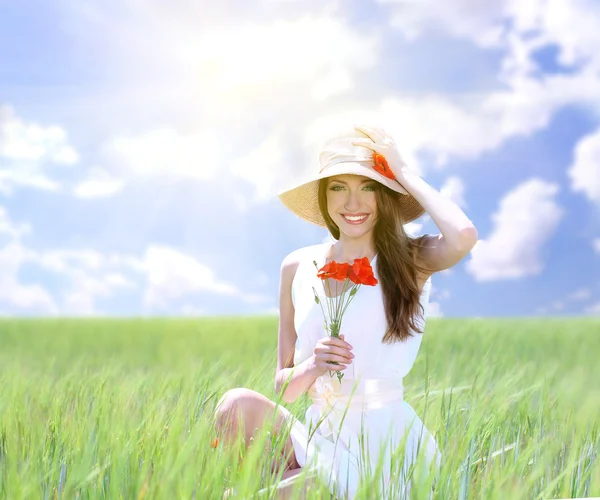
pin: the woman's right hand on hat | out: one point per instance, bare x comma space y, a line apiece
332, 354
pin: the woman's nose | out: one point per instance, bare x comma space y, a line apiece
352, 202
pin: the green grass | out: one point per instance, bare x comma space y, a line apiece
106, 408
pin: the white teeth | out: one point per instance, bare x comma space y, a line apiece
355, 219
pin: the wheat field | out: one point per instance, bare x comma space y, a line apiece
122, 408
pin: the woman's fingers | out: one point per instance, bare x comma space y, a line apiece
339, 342
338, 351
341, 359
329, 356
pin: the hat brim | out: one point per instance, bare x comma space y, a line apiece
303, 200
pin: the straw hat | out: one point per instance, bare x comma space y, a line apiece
338, 157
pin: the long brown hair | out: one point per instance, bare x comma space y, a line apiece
396, 262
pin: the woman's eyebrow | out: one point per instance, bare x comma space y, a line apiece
344, 182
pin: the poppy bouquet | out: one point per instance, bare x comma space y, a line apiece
353, 276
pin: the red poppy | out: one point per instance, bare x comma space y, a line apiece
361, 272
327, 271
342, 271
381, 166
214, 443
334, 270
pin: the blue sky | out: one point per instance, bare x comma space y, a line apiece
142, 147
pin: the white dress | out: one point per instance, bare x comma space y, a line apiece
347, 436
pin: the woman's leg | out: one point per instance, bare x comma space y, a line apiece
246, 411
291, 491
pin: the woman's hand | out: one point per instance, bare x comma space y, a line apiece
382, 143
330, 350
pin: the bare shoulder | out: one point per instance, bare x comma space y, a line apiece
289, 266
291, 261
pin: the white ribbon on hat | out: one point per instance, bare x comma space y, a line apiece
342, 151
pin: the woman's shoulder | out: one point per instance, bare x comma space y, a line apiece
292, 262
295, 257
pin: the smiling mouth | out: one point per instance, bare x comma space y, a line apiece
352, 219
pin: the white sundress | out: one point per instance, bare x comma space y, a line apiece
377, 420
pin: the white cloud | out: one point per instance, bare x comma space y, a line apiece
484, 122
441, 127
7, 226
596, 245
28, 149
526, 219
585, 170
88, 275
86, 288
168, 274
172, 274
264, 166
231, 69
63, 260
269, 311
31, 142
434, 310
256, 298
440, 294
191, 310
413, 229
224, 61
594, 309
496, 24
212, 78
14, 295
581, 294
15, 176
320, 53
454, 188
20, 298
99, 184
165, 152
461, 18
226, 69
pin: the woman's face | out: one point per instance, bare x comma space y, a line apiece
352, 203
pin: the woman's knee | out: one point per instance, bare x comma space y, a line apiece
238, 403
255, 410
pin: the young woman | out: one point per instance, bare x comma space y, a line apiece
363, 194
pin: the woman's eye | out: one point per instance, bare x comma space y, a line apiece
370, 187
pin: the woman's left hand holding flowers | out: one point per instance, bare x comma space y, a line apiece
386, 157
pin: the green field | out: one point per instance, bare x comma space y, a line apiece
105, 408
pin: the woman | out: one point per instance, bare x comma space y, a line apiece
363, 194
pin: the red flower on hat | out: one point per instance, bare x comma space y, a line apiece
381, 166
